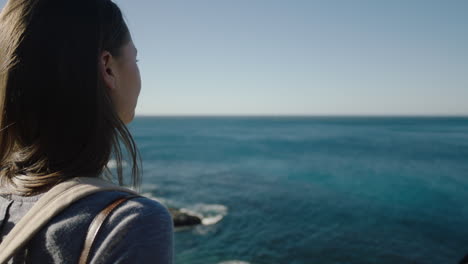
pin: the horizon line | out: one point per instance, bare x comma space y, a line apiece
303, 115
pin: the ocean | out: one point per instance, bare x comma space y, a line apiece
300, 190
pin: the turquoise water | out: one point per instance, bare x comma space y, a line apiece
311, 189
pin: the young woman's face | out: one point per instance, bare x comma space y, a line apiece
127, 82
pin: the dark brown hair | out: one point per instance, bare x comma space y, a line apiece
57, 120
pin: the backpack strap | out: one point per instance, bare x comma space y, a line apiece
96, 224
49, 205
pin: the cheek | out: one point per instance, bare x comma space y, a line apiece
132, 81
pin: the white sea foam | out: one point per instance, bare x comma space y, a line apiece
209, 213
212, 213
212, 220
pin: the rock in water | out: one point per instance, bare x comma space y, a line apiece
183, 219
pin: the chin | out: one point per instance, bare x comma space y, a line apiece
128, 118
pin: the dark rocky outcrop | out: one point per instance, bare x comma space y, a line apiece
183, 219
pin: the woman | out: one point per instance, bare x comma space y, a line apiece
69, 84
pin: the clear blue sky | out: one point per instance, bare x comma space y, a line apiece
327, 57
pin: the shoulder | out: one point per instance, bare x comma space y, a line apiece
139, 208
142, 211
142, 207
140, 230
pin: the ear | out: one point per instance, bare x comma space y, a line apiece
107, 69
